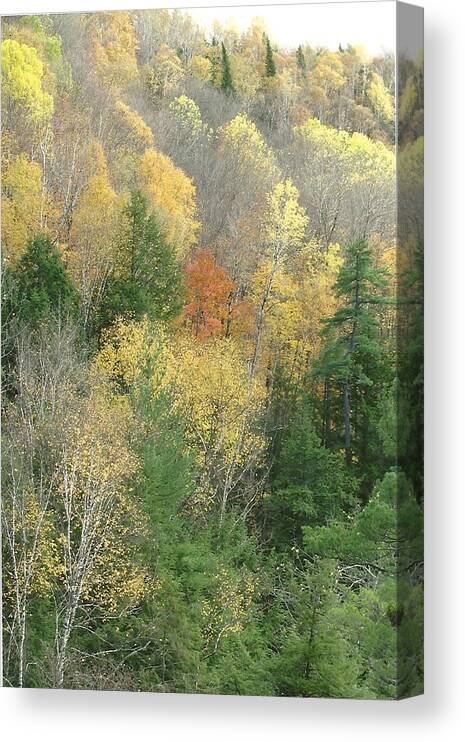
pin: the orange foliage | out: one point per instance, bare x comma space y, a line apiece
212, 297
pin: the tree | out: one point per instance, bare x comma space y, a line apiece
283, 230
226, 77
353, 362
96, 519
171, 194
380, 551
210, 307
380, 99
165, 72
114, 47
146, 275
26, 206
300, 58
222, 410
22, 82
357, 171
45, 366
43, 287
310, 484
270, 67
93, 237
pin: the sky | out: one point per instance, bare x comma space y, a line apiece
369, 24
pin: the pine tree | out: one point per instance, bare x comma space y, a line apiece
147, 278
301, 63
353, 363
270, 67
42, 287
226, 77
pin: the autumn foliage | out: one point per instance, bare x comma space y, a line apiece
211, 376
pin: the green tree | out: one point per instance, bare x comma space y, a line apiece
226, 77
270, 67
353, 362
300, 57
146, 278
40, 287
311, 484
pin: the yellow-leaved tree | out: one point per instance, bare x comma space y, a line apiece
347, 183
93, 231
172, 195
165, 72
211, 390
22, 83
96, 519
222, 409
282, 233
380, 99
137, 132
114, 47
244, 146
300, 297
26, 206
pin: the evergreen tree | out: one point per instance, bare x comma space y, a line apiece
147, 277
311, 484
353, 362
410, 367
226, 77
301, 63
270, 67
40, 287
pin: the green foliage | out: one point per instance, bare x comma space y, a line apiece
40, 286
311, 484
226, 77
270, 66
216, 489
353, 362
300, 58
146, 279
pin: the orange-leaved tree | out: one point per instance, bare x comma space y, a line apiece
211, 302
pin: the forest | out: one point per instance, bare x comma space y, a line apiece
211, 360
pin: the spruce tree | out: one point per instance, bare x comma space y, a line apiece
353, 362
270, 67
301, 63
226, 77
41, 287
147, 278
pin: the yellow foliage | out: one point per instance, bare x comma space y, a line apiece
114, 46
172, 194
37, 559
93, 475
220, 405
366, 159
187, 112
285, 221
166, 72
329, 71
130, 347
139, 132
243, 140
201, 67
26, 207
298, 300
380, 98
22, 75
246, 78
93, 230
